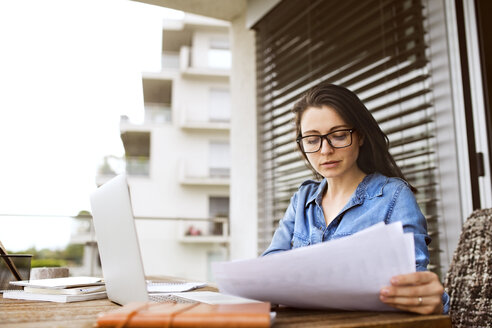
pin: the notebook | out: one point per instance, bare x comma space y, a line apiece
119, 250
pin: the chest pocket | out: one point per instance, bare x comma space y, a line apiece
298, 241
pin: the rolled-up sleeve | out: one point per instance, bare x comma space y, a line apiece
406, 210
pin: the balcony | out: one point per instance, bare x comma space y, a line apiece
194, 173
157, 113
205, 125
215, 230
200, 121
137, 152
170, 60
138, 166
188, 69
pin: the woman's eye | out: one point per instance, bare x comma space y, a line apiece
312, 140
339, 136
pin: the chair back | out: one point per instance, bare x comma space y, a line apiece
469, 279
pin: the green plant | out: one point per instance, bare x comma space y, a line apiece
72, 255
37, 263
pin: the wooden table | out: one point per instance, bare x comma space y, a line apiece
19, 313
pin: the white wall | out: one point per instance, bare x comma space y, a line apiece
162, 195
202, 42
244, 191
192, 98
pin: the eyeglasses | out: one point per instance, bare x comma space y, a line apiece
336, 139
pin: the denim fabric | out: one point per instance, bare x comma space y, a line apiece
377, 198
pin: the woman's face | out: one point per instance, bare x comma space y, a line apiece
328, 161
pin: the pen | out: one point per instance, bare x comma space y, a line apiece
9, 262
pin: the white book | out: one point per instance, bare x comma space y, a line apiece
66, 291
60, 283
60, 298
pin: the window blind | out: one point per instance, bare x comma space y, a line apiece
376, 48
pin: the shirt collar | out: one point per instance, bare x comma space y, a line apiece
318, 194
370, 187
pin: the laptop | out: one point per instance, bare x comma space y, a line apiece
119, 251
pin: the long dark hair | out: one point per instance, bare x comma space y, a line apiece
374, 155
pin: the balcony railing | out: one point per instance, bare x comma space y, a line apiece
192, 174
157, 113
210, 68
213, 230
202, 121
138, 166
170, 60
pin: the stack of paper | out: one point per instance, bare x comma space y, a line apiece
173, 287
345, 273
62, 290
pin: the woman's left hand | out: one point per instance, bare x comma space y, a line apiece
419, 292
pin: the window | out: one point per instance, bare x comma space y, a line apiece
219, 159
219, 54
219, 105
376, 49
218, 207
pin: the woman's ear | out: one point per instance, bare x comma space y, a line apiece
361, 140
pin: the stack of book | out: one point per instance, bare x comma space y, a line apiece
61, 290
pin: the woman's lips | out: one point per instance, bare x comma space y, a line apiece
330, 164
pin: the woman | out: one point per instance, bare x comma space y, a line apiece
361, 186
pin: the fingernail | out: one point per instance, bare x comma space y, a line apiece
385, 291
394, 280
383, 298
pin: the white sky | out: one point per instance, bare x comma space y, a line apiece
68, 70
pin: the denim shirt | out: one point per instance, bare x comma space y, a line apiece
376, 199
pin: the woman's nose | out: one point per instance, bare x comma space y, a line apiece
326, 148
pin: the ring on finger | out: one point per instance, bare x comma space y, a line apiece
420, 300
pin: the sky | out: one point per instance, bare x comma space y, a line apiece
68, 70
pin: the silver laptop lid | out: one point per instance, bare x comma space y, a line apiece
117, 240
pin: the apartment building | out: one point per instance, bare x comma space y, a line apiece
178, 159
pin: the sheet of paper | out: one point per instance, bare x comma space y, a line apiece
214, 298
171, 287
345, 273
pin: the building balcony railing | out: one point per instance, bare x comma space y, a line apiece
200, 175
190, 121
188, 68
213, 230
203, 231
205, 125
189, 230
132, 165
138, 166
156, 113
170, 60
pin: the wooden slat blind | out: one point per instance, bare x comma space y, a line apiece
377, 49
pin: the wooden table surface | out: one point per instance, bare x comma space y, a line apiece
20, 313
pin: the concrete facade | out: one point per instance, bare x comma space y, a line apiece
187, 166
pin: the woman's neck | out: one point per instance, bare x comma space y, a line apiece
344, 186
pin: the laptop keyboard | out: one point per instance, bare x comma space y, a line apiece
169, 298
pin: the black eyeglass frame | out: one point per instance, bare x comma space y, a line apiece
324, 136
